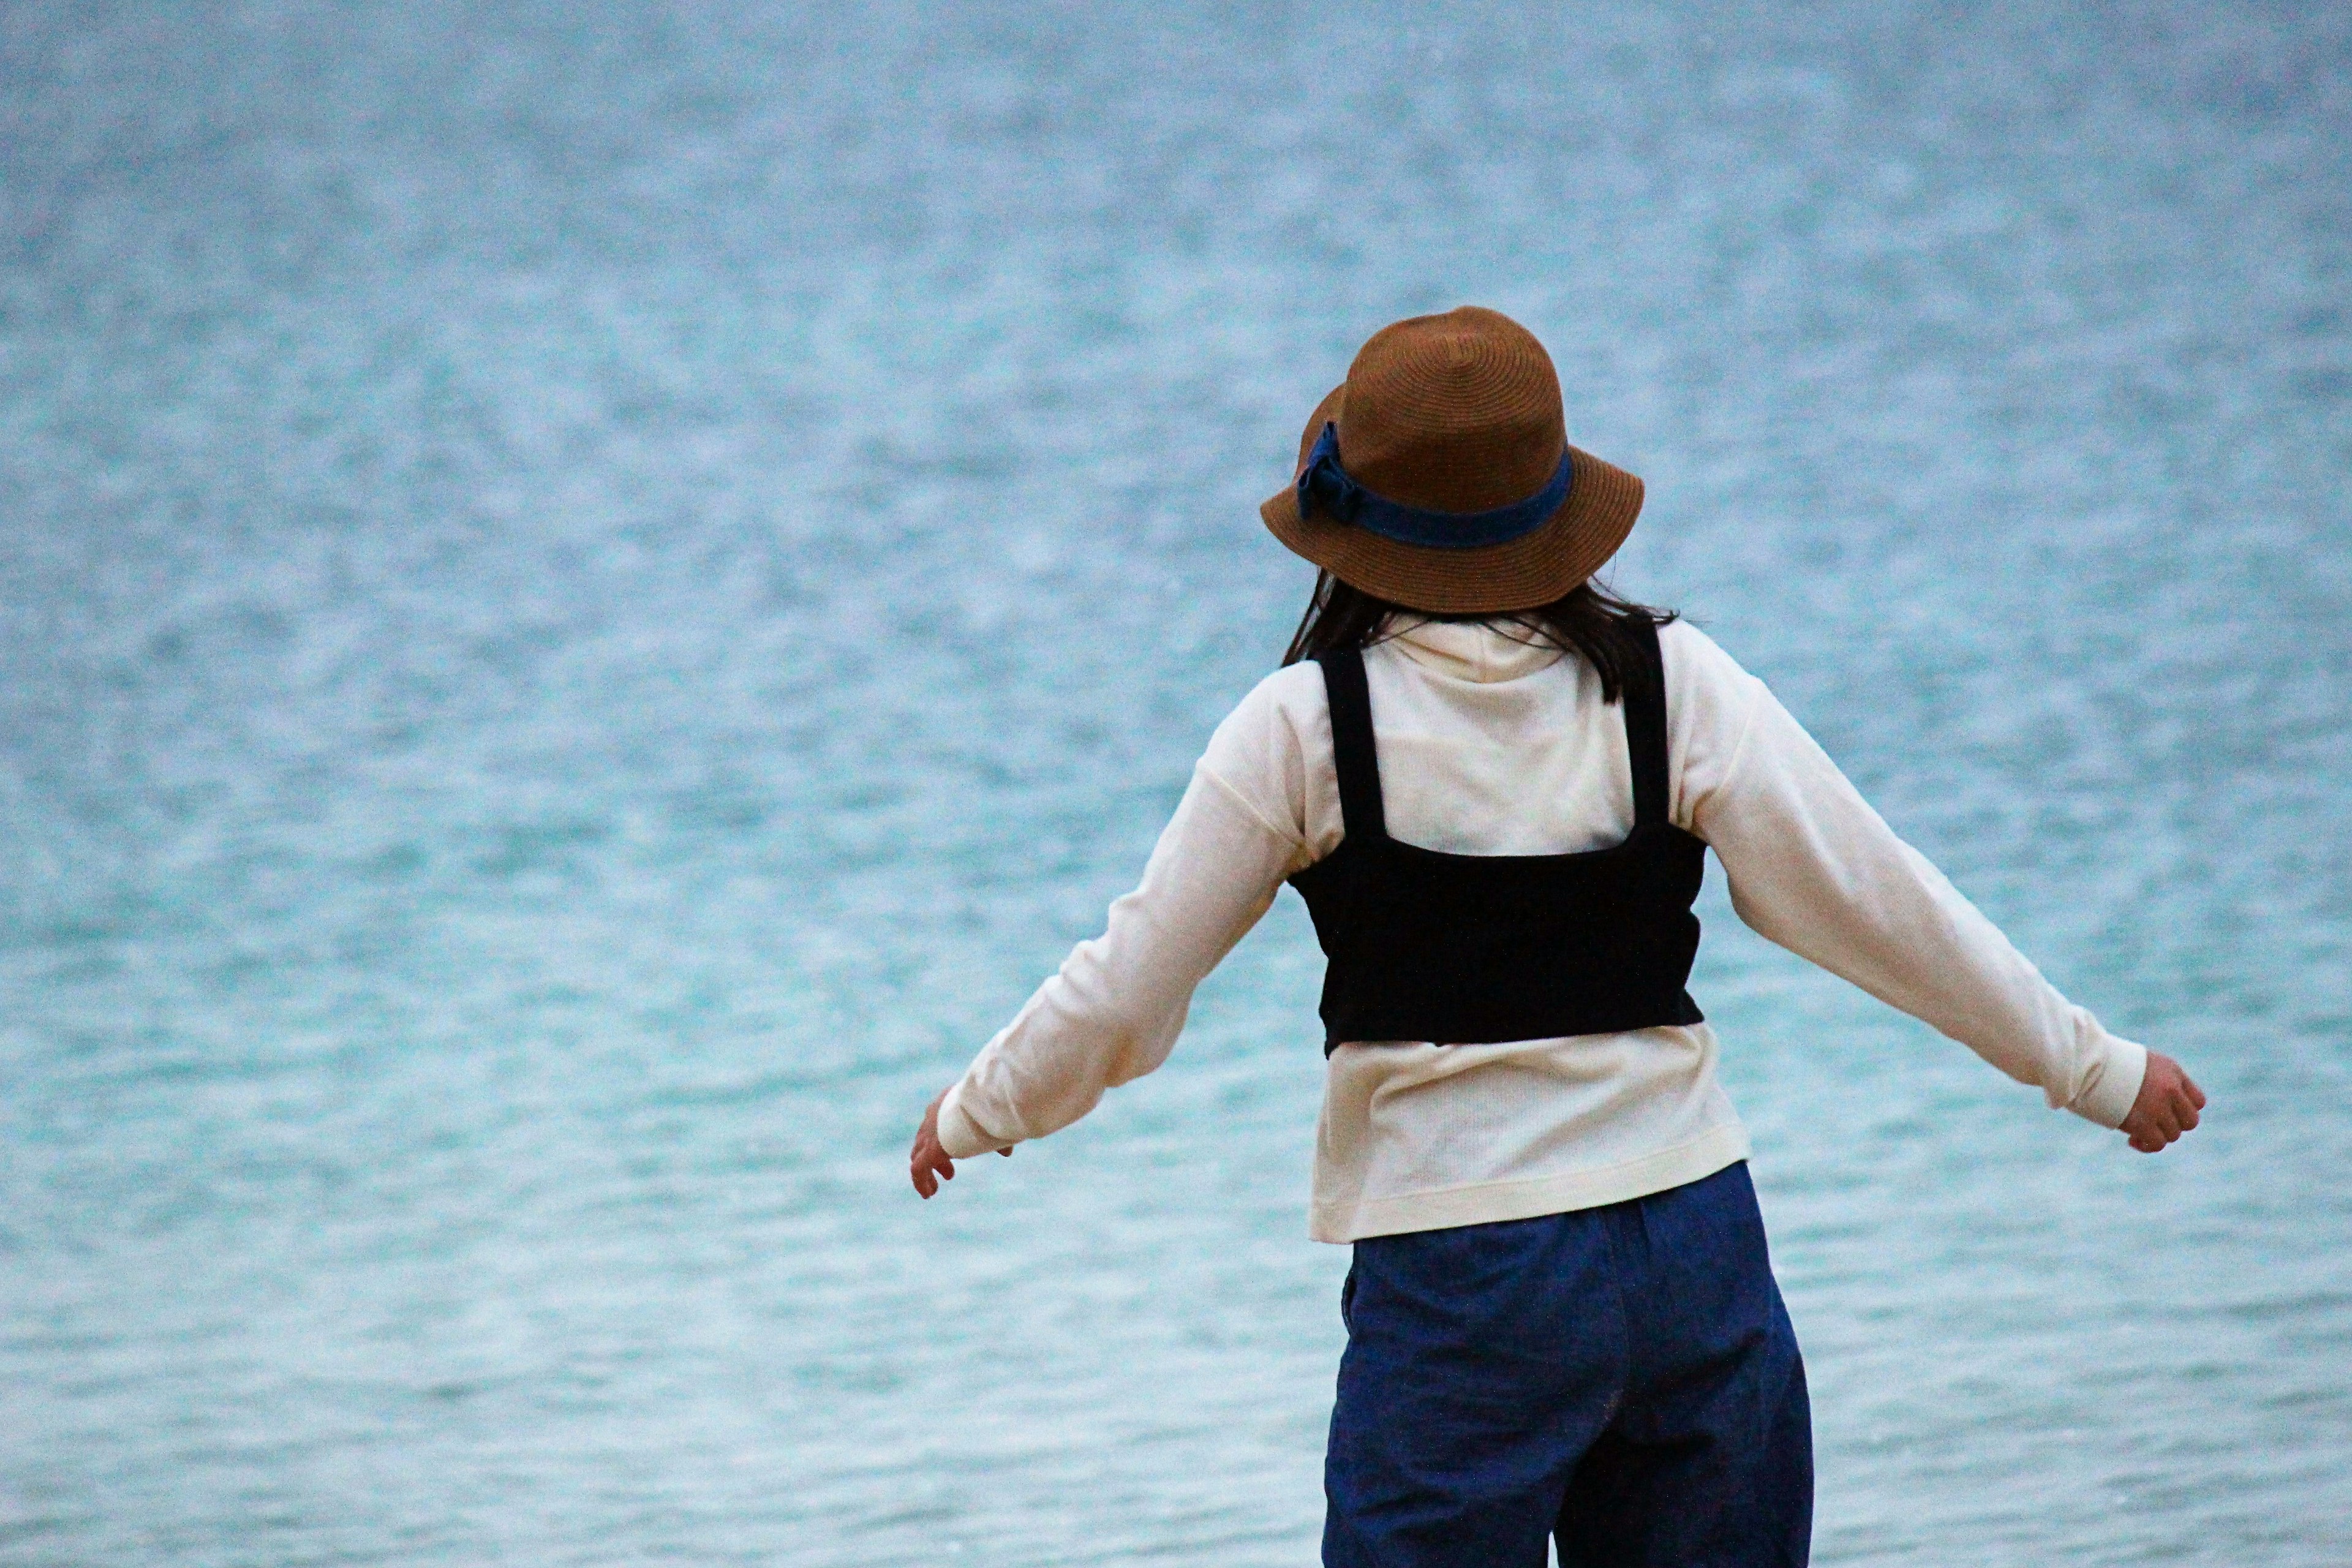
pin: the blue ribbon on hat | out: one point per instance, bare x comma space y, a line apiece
1324, 486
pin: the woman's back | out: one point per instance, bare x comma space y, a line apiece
1490, 743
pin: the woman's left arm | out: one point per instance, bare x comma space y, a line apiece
1814, 869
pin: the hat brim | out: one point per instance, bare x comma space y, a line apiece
1563, 551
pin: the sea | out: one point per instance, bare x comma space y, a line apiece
592, 594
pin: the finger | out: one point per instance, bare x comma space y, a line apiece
2195, 1093
929, 1168
2185, 1112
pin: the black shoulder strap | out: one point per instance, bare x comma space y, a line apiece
1645, 725
1353, 751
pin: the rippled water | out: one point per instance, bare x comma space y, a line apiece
588, 595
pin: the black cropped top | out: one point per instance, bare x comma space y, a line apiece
1470, 949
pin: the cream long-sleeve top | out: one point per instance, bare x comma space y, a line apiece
1490, 744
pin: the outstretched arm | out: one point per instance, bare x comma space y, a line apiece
1815, 869
1114, 1011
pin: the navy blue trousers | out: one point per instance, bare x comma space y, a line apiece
1623, 1379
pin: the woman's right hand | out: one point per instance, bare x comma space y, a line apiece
927, 1163
2168, 1105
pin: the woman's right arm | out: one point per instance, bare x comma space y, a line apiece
1114, 1010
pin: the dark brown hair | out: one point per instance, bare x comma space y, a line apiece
1586, 620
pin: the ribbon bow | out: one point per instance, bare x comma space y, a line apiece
1323, 484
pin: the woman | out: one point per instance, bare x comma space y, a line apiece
1495, 784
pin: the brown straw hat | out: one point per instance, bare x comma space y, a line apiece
1438, 475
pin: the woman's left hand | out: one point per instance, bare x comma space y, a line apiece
2168, 1105
927, 1164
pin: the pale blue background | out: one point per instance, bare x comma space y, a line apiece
588, 595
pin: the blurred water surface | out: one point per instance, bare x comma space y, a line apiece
588, 595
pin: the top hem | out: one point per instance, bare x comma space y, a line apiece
1488, 1202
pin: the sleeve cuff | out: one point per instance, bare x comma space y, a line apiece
961, 1136
2110, 1096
